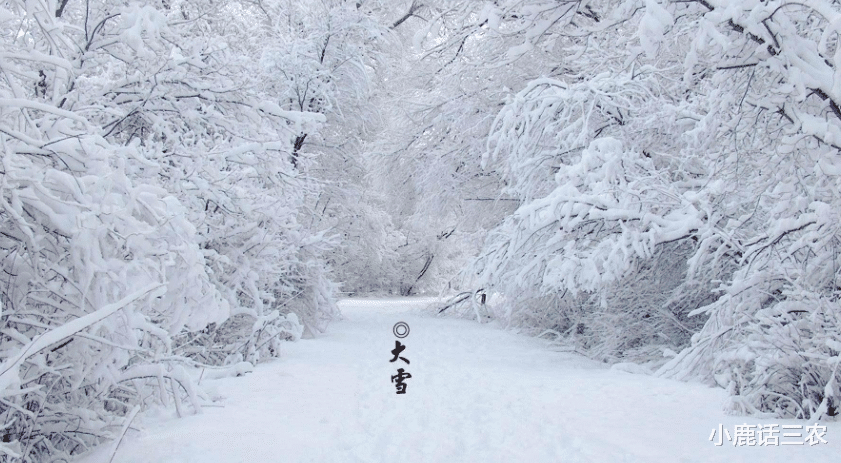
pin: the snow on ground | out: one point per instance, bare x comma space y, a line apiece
477, 394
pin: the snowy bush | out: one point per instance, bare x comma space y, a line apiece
614, 280
771, 336
679, 186
149, 210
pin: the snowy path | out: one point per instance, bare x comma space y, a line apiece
477, 394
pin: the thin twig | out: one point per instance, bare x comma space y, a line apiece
129, 419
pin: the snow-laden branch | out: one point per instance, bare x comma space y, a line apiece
8, 370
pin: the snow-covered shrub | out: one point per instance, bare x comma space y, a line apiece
590, 260
639, 318
772, 336
75, 248
787, 361
148, 217
680, 161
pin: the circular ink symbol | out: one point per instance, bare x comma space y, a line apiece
401, 329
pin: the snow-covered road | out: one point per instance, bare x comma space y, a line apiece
477, 394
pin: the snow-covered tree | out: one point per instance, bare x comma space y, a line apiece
150, 215
439, 110
772, 336
678, 149
328, 58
